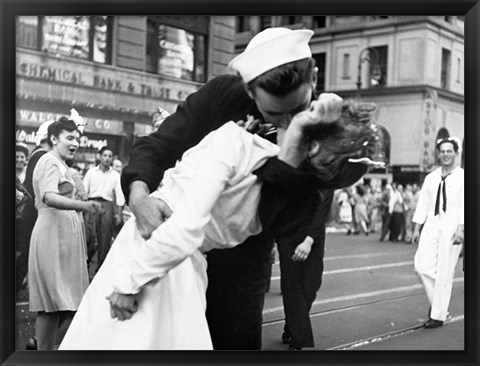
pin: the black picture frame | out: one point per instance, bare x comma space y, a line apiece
10, 8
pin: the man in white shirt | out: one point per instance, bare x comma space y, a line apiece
440, 209
395, 209
102, 184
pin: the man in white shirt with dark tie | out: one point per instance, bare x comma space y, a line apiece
102, 184
440, 209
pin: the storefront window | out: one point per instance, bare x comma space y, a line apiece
84, 37
175, 52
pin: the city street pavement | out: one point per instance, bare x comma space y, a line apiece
370, 299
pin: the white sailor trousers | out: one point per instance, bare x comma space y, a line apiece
435, 262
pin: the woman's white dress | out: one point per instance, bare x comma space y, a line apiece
214, 197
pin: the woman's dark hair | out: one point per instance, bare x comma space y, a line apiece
285, 78
352, 136
63, 124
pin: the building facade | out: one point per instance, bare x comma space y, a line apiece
411, 66
115, 71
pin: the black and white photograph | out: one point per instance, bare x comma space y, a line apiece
240, 183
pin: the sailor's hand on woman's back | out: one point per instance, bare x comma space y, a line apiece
149, 212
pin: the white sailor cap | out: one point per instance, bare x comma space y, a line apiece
42, 132
271, 48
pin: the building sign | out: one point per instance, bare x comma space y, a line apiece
398, 169
101, 78
67, 36
409, 169
28, 137
97, 125
428, 148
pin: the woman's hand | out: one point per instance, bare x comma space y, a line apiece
93, 207
122, 306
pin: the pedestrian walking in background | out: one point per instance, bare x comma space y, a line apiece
22, 199
409, 209
385, 207
238, 277
369, 197
351, 196
117, 165
401, 190
361, 210
301, 268
21, 159
102, 184
376, 219
395, 207
57, 269
440, 210
21, 252
334, 217
345, 211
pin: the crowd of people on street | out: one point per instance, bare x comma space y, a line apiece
260, 160
387, 210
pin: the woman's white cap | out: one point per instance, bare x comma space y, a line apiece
271, 48
42, 132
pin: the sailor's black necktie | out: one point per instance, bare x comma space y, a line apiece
441, 187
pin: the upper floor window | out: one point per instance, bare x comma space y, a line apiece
379, 17
288, 20
176, 52
319, 22
346, 66
243, 24
265, 22
84, 37
459, 69
379, 66
27, 32
320, 59
445, 71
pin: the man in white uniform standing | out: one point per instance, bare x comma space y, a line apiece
440, 209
